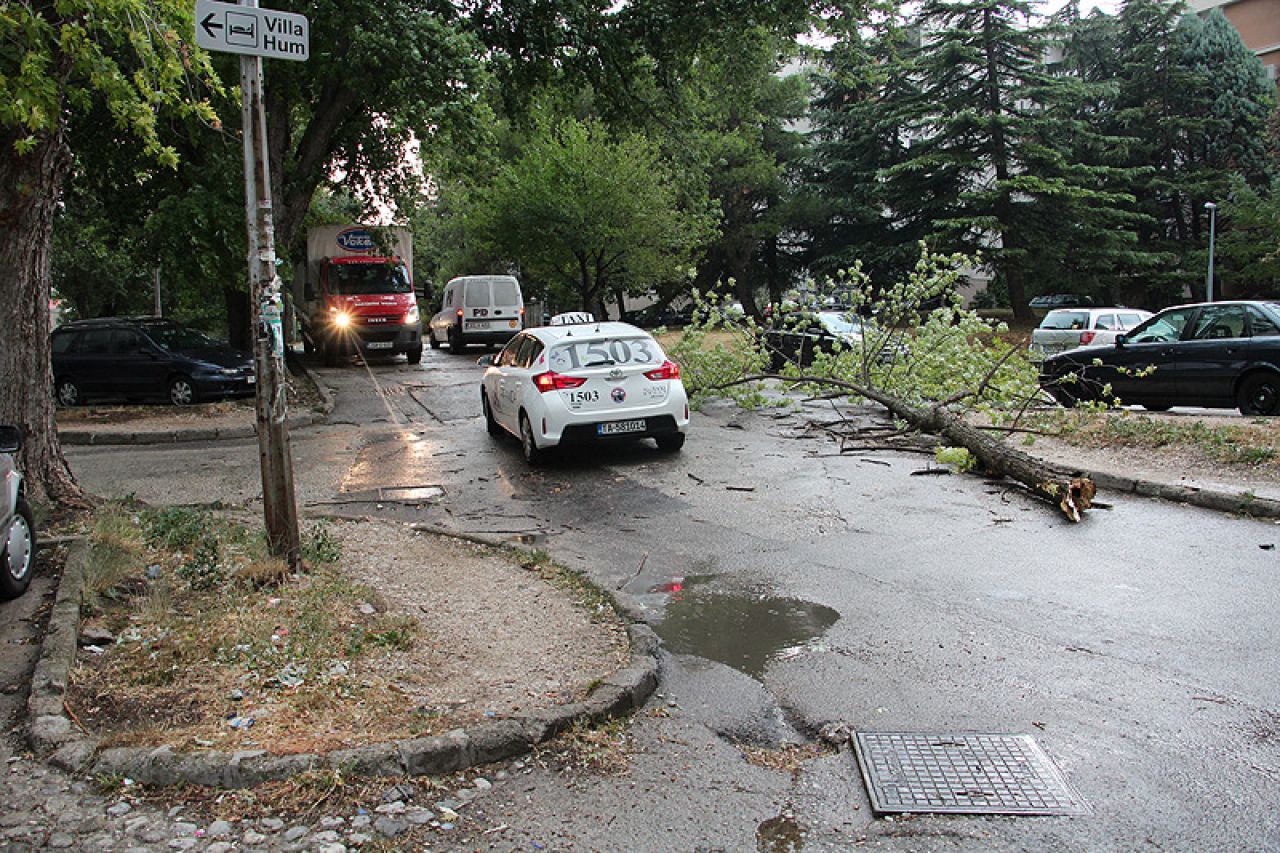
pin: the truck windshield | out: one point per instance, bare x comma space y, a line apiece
352, 279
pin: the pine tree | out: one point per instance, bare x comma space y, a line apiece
857, 134
1240, 100
994, 165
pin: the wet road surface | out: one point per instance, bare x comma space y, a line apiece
796, 587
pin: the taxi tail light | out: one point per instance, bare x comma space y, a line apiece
552, 381
1087, 338
668, 370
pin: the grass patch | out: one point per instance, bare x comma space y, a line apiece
218, 644
1249, 443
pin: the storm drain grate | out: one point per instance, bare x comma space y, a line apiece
962, 773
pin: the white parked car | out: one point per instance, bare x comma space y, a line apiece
17, 529
1067, 328
583, 382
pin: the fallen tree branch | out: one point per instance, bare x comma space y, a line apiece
1071, 493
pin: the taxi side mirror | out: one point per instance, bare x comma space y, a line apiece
485, 361
1121, 340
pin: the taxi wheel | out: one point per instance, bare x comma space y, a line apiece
532, 454
414, 355
431, 337
670, 443
489, 423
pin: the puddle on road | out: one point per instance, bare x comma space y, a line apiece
781, 834
745, 632
410, 493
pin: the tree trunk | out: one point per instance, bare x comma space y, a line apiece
29, 185
1071, 493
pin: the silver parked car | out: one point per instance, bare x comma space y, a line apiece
1067, 328
17, 528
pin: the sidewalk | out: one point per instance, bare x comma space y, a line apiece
310, 402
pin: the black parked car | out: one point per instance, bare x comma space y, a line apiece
1219, 355
141, 357
659, 315
797, 337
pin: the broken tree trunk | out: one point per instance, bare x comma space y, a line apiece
1072, 493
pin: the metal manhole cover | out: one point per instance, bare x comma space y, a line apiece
970, 773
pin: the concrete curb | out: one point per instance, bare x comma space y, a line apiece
53, 734
1243, 503
88, 437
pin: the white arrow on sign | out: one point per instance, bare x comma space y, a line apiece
228, 28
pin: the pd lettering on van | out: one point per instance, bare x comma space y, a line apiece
356, 240
479, 312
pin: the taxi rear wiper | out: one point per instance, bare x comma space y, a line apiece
608, 362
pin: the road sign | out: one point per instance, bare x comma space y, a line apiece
228, 28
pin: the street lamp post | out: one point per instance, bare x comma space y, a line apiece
1208, 279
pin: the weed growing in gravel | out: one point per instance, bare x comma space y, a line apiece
116, 550
598, 747
319, 545
586, 594
790, 758
176, 527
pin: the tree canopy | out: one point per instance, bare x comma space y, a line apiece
585, 214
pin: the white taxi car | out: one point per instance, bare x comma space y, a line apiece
582, 381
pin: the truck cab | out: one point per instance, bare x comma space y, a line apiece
357, 296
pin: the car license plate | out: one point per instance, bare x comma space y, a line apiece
620, 427
381, 344
477, 324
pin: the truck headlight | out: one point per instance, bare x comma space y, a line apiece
410, 316
341, 319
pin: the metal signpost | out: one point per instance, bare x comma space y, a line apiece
254, 33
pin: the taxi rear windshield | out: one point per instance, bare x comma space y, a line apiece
607, 352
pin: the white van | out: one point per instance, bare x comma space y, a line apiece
478, 309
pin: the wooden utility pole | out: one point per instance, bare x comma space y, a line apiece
254, 33
278, 504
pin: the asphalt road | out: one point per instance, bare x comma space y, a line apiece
795, 587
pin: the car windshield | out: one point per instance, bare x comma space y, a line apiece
1065, 320
355, 279
840, 324
1162, 328
180, 338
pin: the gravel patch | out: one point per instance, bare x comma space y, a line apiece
498, 639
